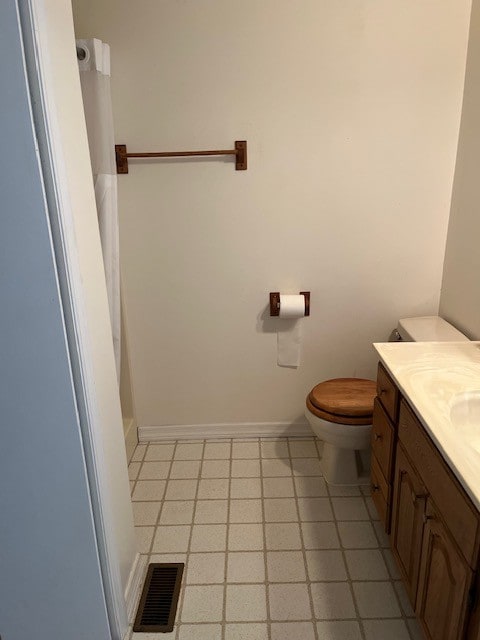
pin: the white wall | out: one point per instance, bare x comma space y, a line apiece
50, 584
351, 112
460, 299
125, 379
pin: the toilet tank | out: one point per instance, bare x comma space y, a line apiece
428, 329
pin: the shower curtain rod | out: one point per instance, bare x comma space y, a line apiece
240, 153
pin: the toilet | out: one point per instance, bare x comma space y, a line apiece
340, 410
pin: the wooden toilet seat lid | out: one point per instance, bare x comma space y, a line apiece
351, 397
337, 418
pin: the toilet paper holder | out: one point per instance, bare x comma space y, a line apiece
275, 302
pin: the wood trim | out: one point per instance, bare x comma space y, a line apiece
226, 430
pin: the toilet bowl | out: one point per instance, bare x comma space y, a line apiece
340, 411
340, 414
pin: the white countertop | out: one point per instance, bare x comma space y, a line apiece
431, 375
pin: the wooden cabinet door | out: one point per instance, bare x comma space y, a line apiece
444, 582
383, 436
409, 496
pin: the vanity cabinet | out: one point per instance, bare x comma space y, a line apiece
385, 415
434, 527
387, 393
444, 583
407, 520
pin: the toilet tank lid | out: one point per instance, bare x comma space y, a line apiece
429, 329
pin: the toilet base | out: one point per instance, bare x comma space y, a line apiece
343, 467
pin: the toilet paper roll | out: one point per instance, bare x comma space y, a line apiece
292, 306
289, 342
289, 334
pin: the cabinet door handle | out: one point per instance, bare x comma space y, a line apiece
377, 436
375, 487
426, 518
418, 496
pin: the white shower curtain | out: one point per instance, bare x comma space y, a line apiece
94, 64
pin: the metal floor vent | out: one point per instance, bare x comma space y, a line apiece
158, 604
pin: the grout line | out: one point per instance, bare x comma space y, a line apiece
188, 551
265, 548
383, 554
291, 462
163, 499
136, 481
304, 554
225, 566
347, 569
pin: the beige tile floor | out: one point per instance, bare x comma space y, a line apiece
271, 552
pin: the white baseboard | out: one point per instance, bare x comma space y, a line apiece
135, 586
228, 430
131, 436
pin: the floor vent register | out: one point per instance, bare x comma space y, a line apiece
158, 604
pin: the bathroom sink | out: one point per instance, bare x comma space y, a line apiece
465, 416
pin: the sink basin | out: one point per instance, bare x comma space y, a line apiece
465, 416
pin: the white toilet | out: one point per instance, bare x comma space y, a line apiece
340, 410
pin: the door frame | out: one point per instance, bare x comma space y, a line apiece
33, 24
